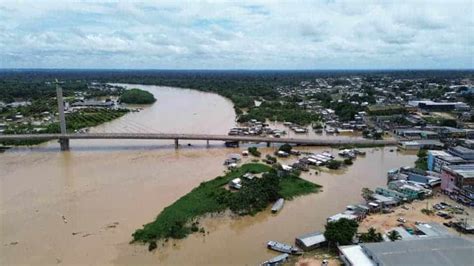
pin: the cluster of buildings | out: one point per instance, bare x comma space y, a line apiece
455, 168
255, 128
388, 104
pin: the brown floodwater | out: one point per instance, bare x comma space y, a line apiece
81, 207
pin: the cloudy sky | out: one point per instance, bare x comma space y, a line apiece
294, 34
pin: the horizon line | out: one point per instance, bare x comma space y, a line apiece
241, 69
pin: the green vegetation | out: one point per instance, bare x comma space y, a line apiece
371, 236
286, 148
292, 186
341, 232
427, 211
348, 161
282, 112
367, 193
212, 196
422, 161
270, 159
334, 164
254, 151
84, 118
394, 235
137, 96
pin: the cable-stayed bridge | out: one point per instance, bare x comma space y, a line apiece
132, 130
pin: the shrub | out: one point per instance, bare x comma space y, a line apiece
286, 148
254, 151
334, 164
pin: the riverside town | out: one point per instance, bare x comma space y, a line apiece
307, 133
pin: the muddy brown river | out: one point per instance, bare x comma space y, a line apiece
81, 207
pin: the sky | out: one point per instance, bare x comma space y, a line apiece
328, 34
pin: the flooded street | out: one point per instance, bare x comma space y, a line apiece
81, 206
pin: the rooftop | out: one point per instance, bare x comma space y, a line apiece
312, 239
461, 149
466, 170
422, 251
355, 255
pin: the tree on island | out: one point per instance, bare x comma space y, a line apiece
137, 96
334, 164
286, 148
342, 231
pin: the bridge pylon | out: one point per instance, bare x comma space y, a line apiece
64, 142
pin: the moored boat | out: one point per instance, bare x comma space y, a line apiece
278, 205
284, 248
276, 260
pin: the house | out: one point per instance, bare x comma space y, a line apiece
383, 201
457, 176
391, 193
463, 152
411, 192
310, 241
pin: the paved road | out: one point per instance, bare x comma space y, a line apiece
315, 142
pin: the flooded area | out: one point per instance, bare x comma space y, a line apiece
81, 206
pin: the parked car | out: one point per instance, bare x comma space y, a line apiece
401, 220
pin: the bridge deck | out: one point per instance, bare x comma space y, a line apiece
320, 142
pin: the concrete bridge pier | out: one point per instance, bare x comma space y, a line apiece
268, 143
64, 143
176, 143
207, 143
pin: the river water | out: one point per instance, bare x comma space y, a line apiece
81, 206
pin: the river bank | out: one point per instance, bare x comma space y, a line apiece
107, 189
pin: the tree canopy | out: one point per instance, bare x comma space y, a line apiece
341, 231
137, 96
371, 236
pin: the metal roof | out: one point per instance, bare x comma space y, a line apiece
355, 255
431, 251
312, 239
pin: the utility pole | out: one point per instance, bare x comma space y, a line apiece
64, 142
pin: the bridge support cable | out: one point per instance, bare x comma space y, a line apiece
145, 128
130, 127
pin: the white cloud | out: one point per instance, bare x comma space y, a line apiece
236, 35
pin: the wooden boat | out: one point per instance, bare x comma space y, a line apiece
278, 205
276, 260
284, 248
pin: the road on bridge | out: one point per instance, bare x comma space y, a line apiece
300, 141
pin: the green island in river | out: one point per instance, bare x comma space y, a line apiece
176, 220
137, 96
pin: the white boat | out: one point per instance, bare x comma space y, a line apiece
284, 248
278, 205
276, 260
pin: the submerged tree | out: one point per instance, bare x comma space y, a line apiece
367, 193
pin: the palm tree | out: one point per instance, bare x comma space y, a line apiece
394, 235
371, 236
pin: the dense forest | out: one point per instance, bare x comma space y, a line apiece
241, 87
137, 96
